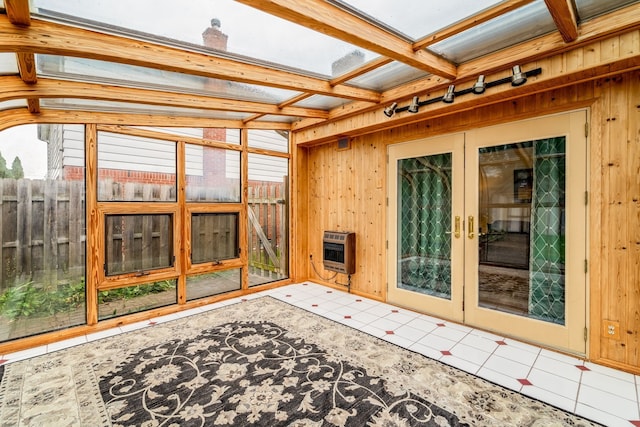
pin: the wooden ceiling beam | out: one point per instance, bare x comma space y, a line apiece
564, 16
14, 88
33, 105
618, 22
58, 39
472, 21
599, 59
27, 67
333, 21
18, 12
20, 116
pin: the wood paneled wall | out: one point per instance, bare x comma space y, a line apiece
346, 190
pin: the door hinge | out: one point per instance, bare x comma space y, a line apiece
462, 305
386, 244
586, 129
586, 266
586, 198
586, 333
387, 201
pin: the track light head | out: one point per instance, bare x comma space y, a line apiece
415, 105
391, 109
518, 78
479, 86
450, 95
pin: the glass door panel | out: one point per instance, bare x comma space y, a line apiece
529, 216
427, 231
521, 209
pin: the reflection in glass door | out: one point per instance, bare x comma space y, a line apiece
525, 251
521, 213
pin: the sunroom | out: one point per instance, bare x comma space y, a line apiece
477, 161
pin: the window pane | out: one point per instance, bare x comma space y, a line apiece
42, 240
133, 299
138, 243
213, 174
214, 237
268, 219
220, 282
276, 140
131, 168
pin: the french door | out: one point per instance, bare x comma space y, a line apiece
488, 228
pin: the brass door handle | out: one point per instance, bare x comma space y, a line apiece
470, 233
457, 228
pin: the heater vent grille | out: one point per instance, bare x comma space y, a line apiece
339, 251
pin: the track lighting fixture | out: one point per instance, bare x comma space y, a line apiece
518, 78
479, 86
450, 95
414, 106
391, 109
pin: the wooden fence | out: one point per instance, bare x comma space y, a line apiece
43, 235
268, 230
42, 232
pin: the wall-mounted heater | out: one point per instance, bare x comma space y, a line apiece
339, 251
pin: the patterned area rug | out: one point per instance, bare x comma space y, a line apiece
257, 363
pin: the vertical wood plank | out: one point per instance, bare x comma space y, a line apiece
50, 232
598, 140
95, 225
25, 218
632, 330
147, 242
76, 222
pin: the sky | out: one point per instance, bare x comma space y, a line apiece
22, 141
251, 32
259, 35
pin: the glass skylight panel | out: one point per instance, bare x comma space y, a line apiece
91, 70
13, 103
225, 25
131, 108
321, 102
418, 18
588, 9
388, 77
8, 63
522, 24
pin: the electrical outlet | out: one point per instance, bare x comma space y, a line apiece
611, 329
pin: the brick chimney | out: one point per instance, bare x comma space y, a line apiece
214, 161
213, 37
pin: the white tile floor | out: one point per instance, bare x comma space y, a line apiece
602, 394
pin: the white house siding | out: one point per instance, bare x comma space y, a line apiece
126, 152
269, 140
267, 168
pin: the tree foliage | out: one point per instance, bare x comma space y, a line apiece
16, 168
16, 171
4, 172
